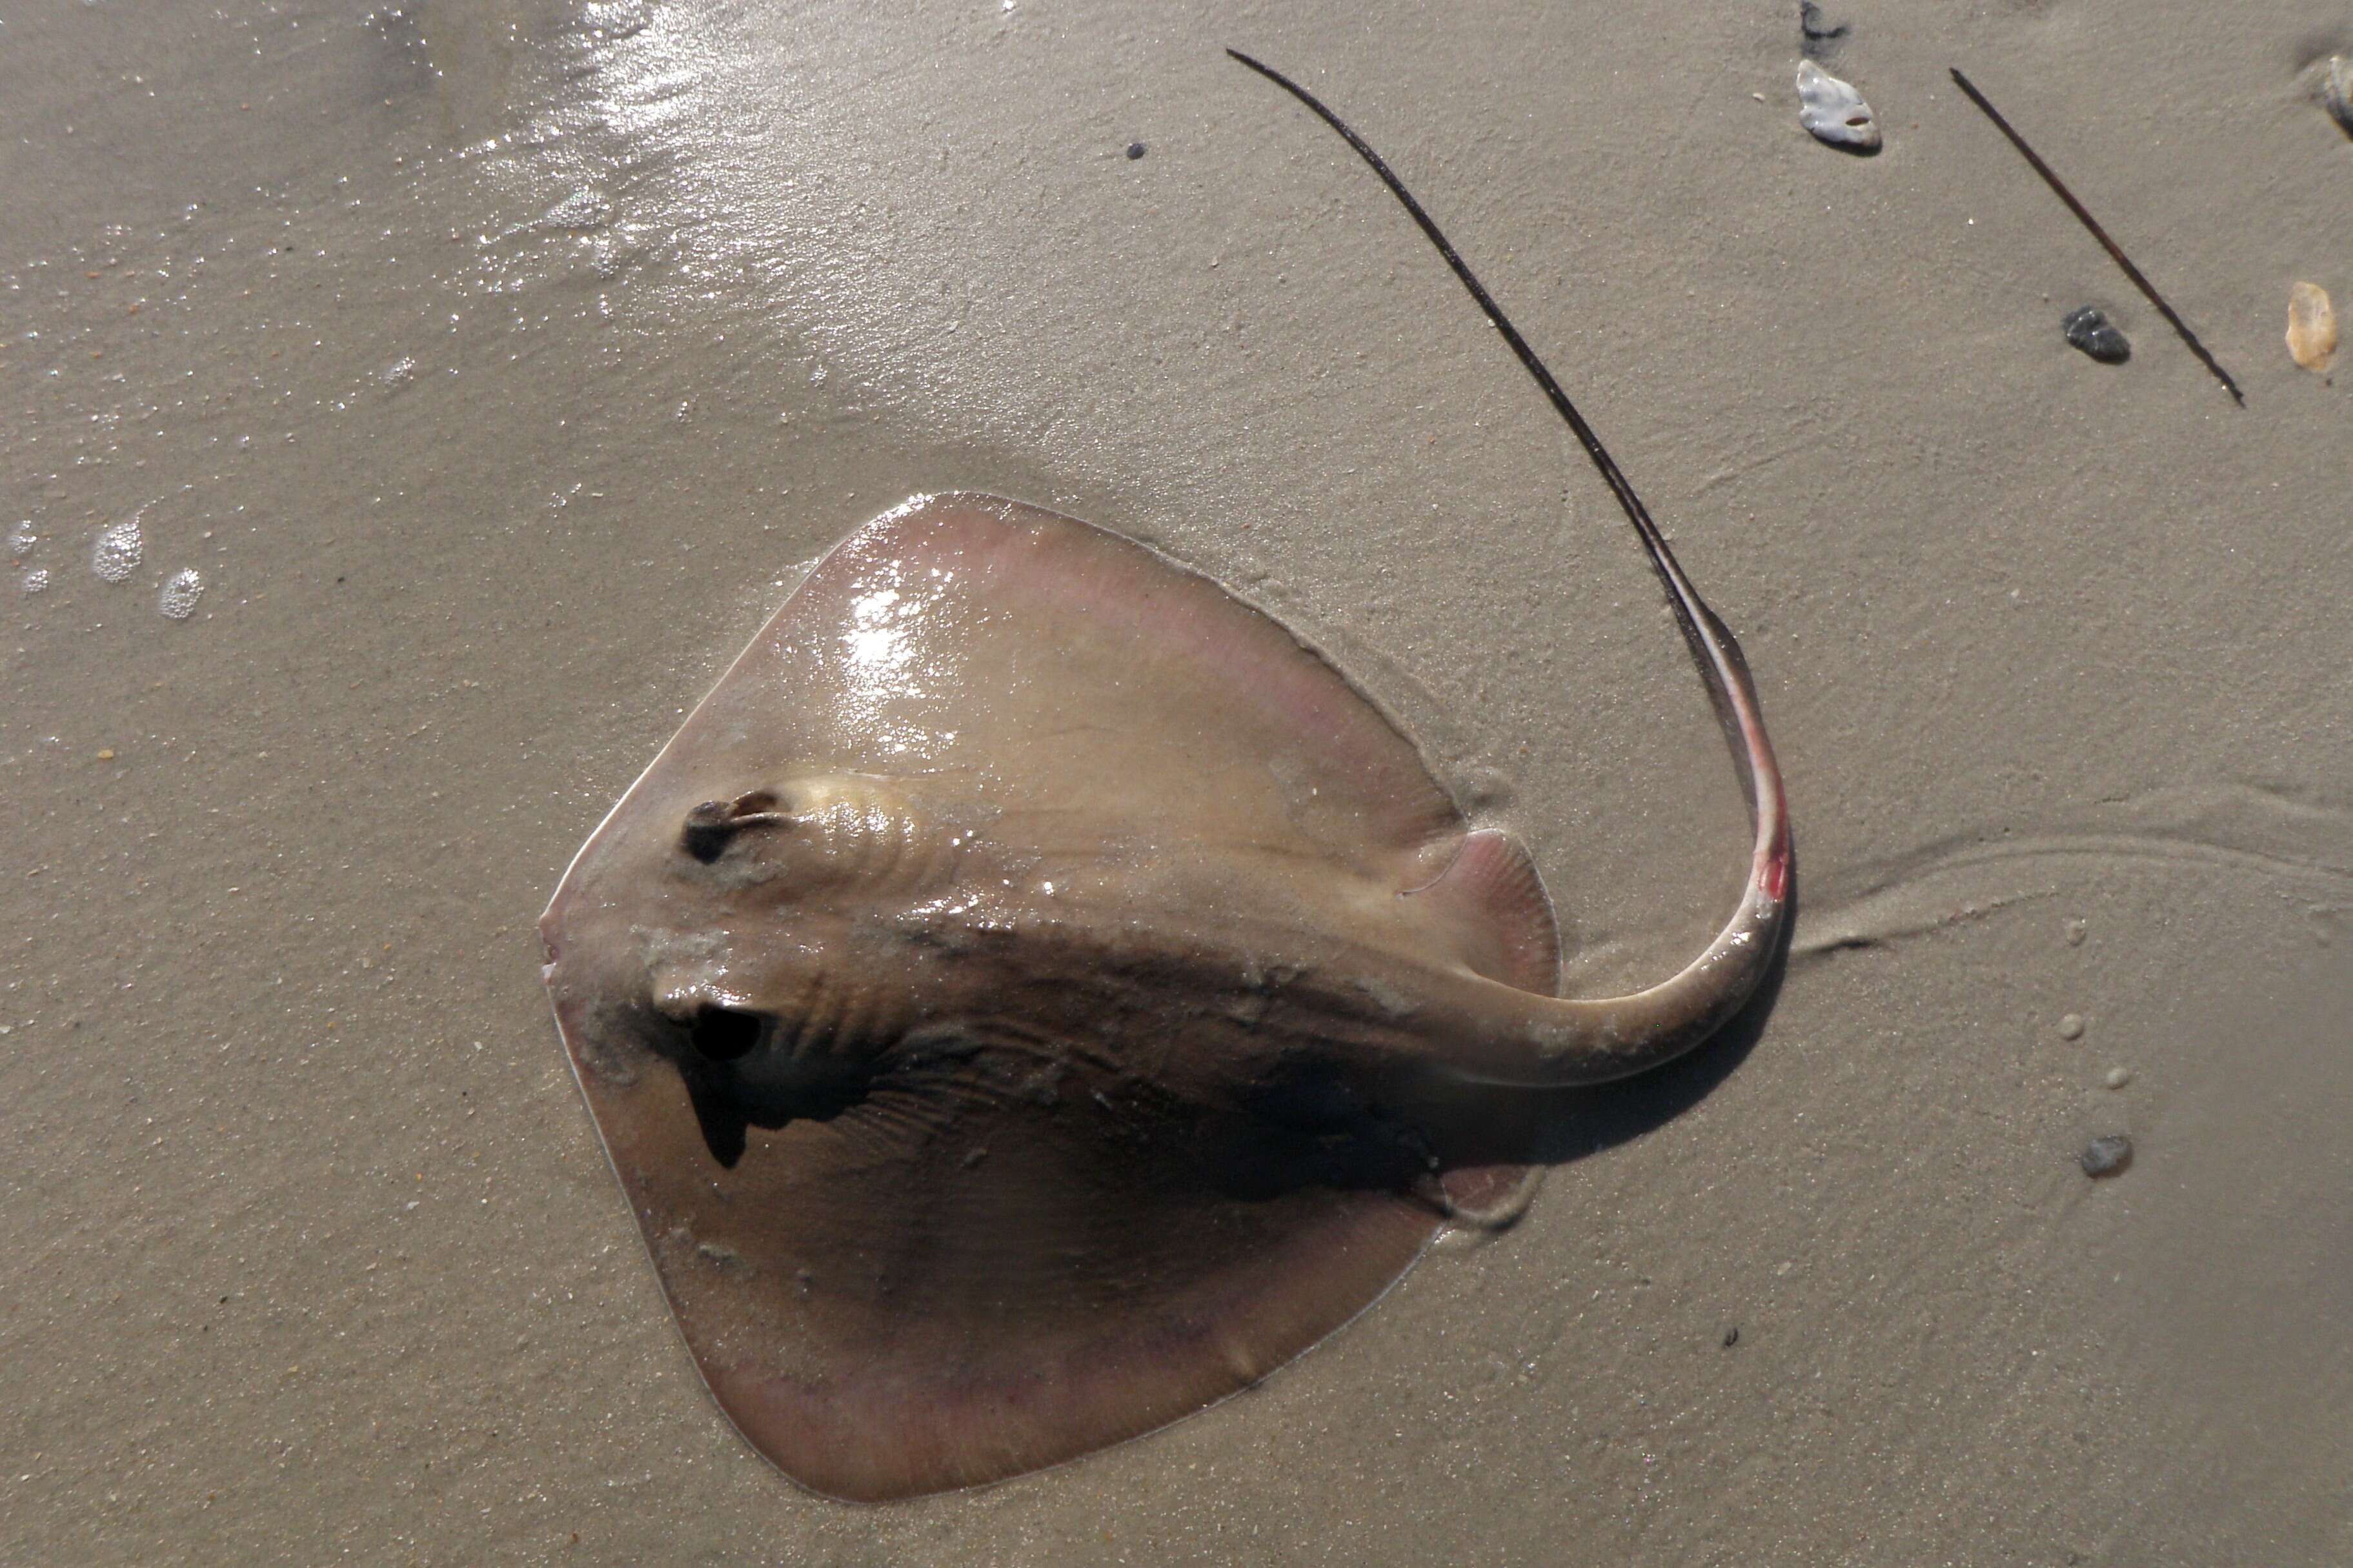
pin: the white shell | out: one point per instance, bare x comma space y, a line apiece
1833, 111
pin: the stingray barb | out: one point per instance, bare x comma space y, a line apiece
1034, 994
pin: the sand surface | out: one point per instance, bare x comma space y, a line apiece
498, 363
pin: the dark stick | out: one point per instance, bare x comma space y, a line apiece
2059, 189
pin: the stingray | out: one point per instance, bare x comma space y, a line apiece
1024, 1001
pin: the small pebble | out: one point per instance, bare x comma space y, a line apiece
2076, 932
106, 754
2311, 327
1834, 112
1135, 150
2090, 331
2105, 1156
2070, 1026
2119, 1077
1731, 1336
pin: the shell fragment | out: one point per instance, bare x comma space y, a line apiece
2311, 327
1834, 112
2336, 91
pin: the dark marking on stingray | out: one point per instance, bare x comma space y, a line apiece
1034, 996
2092, 227
712, 825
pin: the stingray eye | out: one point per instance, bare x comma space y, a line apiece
725, 1035
712, 825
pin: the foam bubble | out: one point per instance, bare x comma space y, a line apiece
37, 579
116, 554
180, 594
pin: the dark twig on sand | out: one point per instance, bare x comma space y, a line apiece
2059, 189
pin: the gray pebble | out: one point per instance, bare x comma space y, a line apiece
2105, 1156
2092, 332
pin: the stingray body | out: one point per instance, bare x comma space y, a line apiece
1018, 1001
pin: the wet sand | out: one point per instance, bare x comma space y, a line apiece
499, 366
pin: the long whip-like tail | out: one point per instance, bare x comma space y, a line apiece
1557, 1041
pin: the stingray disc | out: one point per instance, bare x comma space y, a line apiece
964, 995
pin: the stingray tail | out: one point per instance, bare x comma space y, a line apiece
1549, 1041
